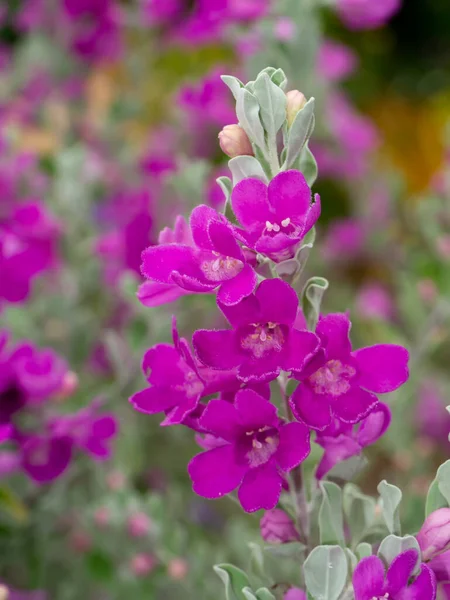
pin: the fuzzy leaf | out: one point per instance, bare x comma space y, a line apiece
272, 102
234, 580
363, 550
247, 110
299, 133
331, 518
312, 295
359, 510
439, 492
326, 571
391, 497
242, 167
279, 78
233, 83
394, 545
308, 165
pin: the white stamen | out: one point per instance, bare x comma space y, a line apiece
263, 335
216, 265
269, 226
276, 227
286, 222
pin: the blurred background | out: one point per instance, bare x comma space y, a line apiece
109, 117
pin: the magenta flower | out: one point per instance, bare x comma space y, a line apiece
341, 383
342, 441
295, 594
336, 61
216, 260
176, 385
367, 14
434, 535
276, 217
277, 527
375, 302
370, 581
39, 373
432, 419
46, 457
259, 450
154, 293
263, 341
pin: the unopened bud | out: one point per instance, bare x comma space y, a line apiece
295, 102
434, 535
277, 527
295, 594
138, 525
234, 141
69, 385
4, 592
142, 564
177, 569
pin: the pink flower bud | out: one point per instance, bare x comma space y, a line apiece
295, 102
295, 594
142, 564
102, 517
234, 141
434, 535
69, 385
277, 527
116, 481
138, 525
177, 569
4, 592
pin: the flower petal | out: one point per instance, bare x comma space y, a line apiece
294, 445
215, 473
250, 203
201, 218
163, 366
400, 571
337, 449
374, 425
235, 290
260, 370
353, 406
334, 329
382, 368
193, 283
158, 262
312, 215
261, 488
178, 413
302, 346
368, 579
156, 399
221, 419
254, 411
223, 240
423, 587
289, 194
243, 313
278, 302
154, 293
311, 408
217, 348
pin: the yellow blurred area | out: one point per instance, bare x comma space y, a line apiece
413, 136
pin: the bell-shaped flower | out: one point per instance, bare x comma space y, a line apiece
216, 261
263, 340
341, 383
258, 450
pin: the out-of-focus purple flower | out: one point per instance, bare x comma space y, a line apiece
375, 302
139, 525
336, 61
216, 260
370, 580
432, 418
443, 591
263, 340
434, 535
276, 217
342, 441
285, 29
340, 383
45, 457
277, 527
39, 373
14, 594
344, 240
158, 159
156, 13
142, 564
295, 594
32, 15
259, 449
367, 14
28, 238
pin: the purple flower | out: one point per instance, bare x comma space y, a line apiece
259, 450
434, 535
375, 302
345, 240
39, 373
440, 566
277, 527
341, 383
276, 217
370, 581
336, 61
341, 440
176, 385
295, 594
46, 457
433, 421
216, 260
367, 14
154, 293
263, 341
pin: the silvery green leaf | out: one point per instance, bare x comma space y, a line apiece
264, 594
394, 545
359, 510
234, 580
256, 559
247, 110
312, 295
439, 492
352, 560
391, 497
331, 518
242, 167
272, 102
299, 133
290, 549
279, 78
268, 71
326, 570
363, 550
287, 268
226, 186
348, 469
308, 165
248, 594
302, 254
233, 83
